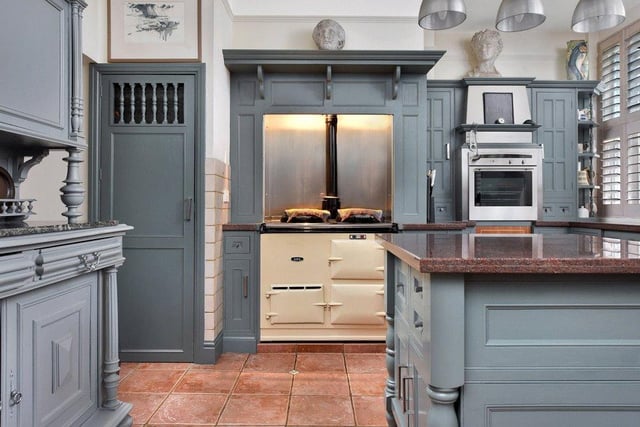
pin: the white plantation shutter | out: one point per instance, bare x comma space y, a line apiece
633, 73
611, 171
610, 71
633, 169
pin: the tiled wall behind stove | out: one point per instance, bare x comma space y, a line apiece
216, 214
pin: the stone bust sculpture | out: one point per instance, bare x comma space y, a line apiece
329, 35
486, 46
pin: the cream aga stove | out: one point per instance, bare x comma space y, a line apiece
321, 287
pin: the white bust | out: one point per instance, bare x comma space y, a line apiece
486, 46
329, 35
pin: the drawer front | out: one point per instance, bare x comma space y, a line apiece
551, 404
69, 260
586, 326
356, 259
401, 277
16, 271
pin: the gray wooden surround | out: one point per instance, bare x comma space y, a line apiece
313, 82
329, 82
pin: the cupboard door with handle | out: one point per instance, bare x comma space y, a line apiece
51, 360
241, 292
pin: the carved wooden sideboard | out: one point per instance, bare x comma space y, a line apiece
59, 326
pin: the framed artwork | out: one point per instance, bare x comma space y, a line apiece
154, 30
498, 108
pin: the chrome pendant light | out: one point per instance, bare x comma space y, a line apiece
596, 15
441, 14
519, 15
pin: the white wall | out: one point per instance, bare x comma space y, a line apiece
295, 33
218, 37
95, 30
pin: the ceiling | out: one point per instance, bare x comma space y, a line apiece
480, 13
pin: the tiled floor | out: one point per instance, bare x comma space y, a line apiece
263, 389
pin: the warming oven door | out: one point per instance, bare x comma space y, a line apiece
503, 193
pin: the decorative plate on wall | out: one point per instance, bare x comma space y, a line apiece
7, 190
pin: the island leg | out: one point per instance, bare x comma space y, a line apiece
390, 388
442, 412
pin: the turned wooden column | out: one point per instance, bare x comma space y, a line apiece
73, 191
77, 102
111, 362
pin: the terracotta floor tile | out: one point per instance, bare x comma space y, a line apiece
370, 410
264, 383
315, 362
190, 409
320, 348
178, 425
365, 347
368, 384
277, 348
126, 369
270, 362
151, 380
256, 410
165, 365
144, 404
366, 363
207, 381
321, 410
226, 362
320, 383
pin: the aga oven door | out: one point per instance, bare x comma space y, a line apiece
503, 193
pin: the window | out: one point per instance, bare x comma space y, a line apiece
619, 133
611, 171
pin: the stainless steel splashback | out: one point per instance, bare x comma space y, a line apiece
294, 162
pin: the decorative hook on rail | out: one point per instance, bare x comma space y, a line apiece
260, 82
396, 82
329, 82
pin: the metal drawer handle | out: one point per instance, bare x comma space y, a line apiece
400, 368
245, 286
405, 380
86, 260
15, 397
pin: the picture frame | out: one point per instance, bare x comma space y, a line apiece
498, 107
154, 30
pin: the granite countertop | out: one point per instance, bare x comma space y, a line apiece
525, 253
11, 229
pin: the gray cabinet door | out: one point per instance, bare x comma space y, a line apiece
556, 113
34, 76
50, 356
241, 292
146, 180
440, 143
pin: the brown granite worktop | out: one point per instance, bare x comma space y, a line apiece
11, 229
527, 253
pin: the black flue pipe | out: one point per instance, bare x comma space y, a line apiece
331, 200
331, 171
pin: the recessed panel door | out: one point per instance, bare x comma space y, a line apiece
356, 259
357, 304
146, 180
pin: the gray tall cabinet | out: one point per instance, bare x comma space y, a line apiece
555, 109
58, 288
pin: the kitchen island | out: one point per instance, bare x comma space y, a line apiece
512, 330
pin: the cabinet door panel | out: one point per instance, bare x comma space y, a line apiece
35, 97
54, 333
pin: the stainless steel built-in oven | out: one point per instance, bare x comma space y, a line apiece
502, 184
